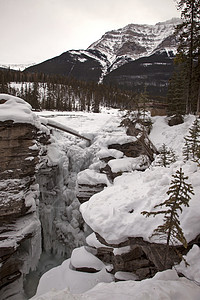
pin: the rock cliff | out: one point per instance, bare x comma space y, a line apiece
20, 231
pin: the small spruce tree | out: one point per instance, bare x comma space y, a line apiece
165, 157
192, 142
179, 195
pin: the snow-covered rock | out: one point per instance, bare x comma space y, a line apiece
123, 234
165, 285
63, 277
192, 270
82, 260
115, 213
20, 228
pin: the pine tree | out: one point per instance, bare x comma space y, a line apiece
166, 156
189, 41
35, 95
192, 141
177, 91
196, 89
179, 195
142, 100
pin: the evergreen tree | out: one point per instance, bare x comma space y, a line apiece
189, 41
4, 86
142, 99
95, 104
196, 89
166, 156
179, 195
35, 96
177, 91
192, 141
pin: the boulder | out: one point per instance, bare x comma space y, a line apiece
175, 120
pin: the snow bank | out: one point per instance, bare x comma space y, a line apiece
165, 285
81, 258
17, 110
63, 277
172, 136
115, 213
104, 152
128, 164
14, 108
192, 271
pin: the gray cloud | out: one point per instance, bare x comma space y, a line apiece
35, 30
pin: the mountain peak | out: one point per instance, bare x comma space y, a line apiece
134, 41
173, 21
133, 55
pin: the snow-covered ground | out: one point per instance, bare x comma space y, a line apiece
115, 213
62, 283
108, 213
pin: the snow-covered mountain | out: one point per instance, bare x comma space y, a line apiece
135, 40
119, 48
17, 67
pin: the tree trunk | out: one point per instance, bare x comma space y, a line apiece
198, 102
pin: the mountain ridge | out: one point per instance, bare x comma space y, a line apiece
135, 40
113, 50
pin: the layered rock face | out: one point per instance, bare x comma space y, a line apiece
20, 226
20, 229
141, 258
39, 211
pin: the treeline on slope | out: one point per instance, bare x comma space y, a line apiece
56, 92
184, 86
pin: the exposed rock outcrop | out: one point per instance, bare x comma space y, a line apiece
20, 230
20, 226
134, 152
175, 120
135, 255
86, 191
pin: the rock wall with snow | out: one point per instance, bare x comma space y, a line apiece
21, 137
39, 209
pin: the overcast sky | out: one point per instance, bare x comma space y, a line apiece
35, 30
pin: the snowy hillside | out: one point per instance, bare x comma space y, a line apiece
108, 212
